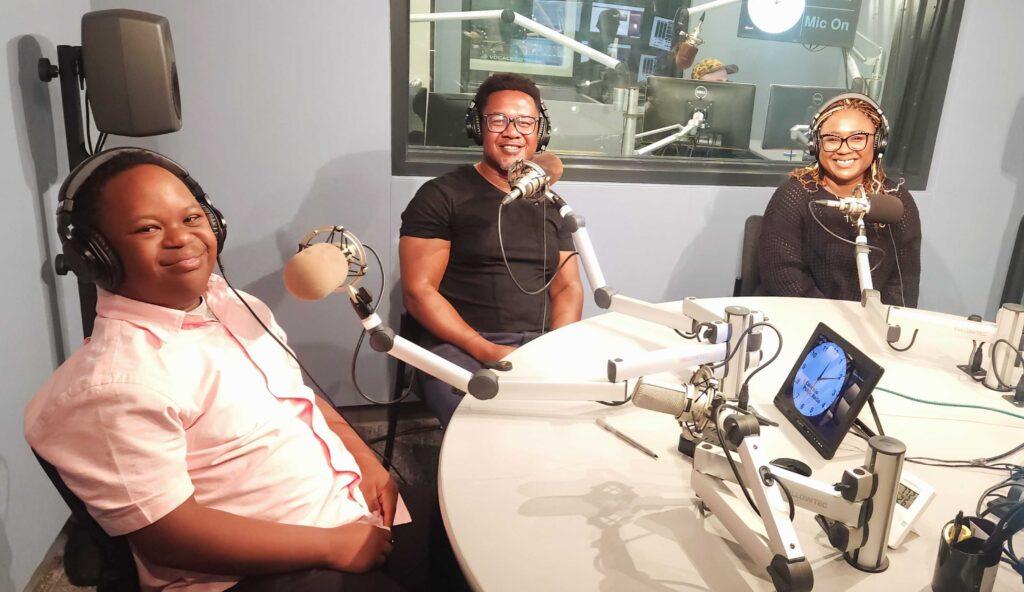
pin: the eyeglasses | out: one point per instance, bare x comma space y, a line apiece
855, 142
498, 123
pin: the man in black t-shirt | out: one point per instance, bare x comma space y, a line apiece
454, 279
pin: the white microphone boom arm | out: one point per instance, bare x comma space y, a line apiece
856, 513
998, 367
483, 384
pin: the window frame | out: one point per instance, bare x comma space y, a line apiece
928, 36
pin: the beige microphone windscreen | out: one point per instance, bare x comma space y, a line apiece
551, 164
316, 271
685, 54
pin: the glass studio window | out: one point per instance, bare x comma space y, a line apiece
684, 91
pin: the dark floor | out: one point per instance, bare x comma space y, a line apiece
415, 460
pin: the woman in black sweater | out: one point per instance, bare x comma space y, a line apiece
803, 249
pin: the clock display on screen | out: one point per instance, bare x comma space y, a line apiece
819, 380
829, 384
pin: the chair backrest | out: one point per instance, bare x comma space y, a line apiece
749, 281
117, 570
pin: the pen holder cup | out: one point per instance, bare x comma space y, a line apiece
961, 567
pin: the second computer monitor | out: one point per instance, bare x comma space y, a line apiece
789, 106
728, 108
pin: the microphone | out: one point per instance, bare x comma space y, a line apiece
320, 269
530, 179
879, 208
678, 400
686, 51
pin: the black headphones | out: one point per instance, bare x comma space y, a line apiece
881, 134
474, 126
86, 252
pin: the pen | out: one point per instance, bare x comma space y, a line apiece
604, 424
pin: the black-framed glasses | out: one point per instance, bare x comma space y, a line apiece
498, 123
856, 141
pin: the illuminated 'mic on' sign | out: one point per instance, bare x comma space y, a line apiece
823, 22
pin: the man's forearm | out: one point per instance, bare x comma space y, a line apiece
352, 441
196, 538
566, 306
439, 317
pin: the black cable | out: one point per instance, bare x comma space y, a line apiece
739, 342
728, 457
409, 432
899, 272
504, 257
979, 463
685, 335
769, 478
810, 207
913, 338
362, 335
88, 127
309, 375
995, 367
778, 350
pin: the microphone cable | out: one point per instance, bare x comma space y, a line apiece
810, 207
362, 336
504, 258
387, 465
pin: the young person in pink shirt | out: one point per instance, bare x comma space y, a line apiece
182, 424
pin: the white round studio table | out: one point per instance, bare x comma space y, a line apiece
536, 496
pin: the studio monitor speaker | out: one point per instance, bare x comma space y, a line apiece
130, 73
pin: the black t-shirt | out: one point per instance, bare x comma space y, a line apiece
800, 258
462, 207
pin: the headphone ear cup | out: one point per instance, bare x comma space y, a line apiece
473, 124
543, 128
89, 256
812, 145
217, 222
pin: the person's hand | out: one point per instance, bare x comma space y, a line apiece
358, 547
493, 352
379, 489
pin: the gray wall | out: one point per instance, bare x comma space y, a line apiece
32, 163
286, 116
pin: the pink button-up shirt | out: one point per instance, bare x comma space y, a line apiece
160, 405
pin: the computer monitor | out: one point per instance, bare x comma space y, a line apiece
632, 18
531, 54
728, 109
789, 106
445, 123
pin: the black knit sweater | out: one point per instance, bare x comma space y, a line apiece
798, 258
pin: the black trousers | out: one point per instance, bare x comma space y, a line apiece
420, 560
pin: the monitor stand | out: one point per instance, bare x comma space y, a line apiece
878, 422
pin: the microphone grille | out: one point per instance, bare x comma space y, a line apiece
660, 397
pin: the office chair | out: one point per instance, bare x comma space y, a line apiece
749, 281
117, 565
